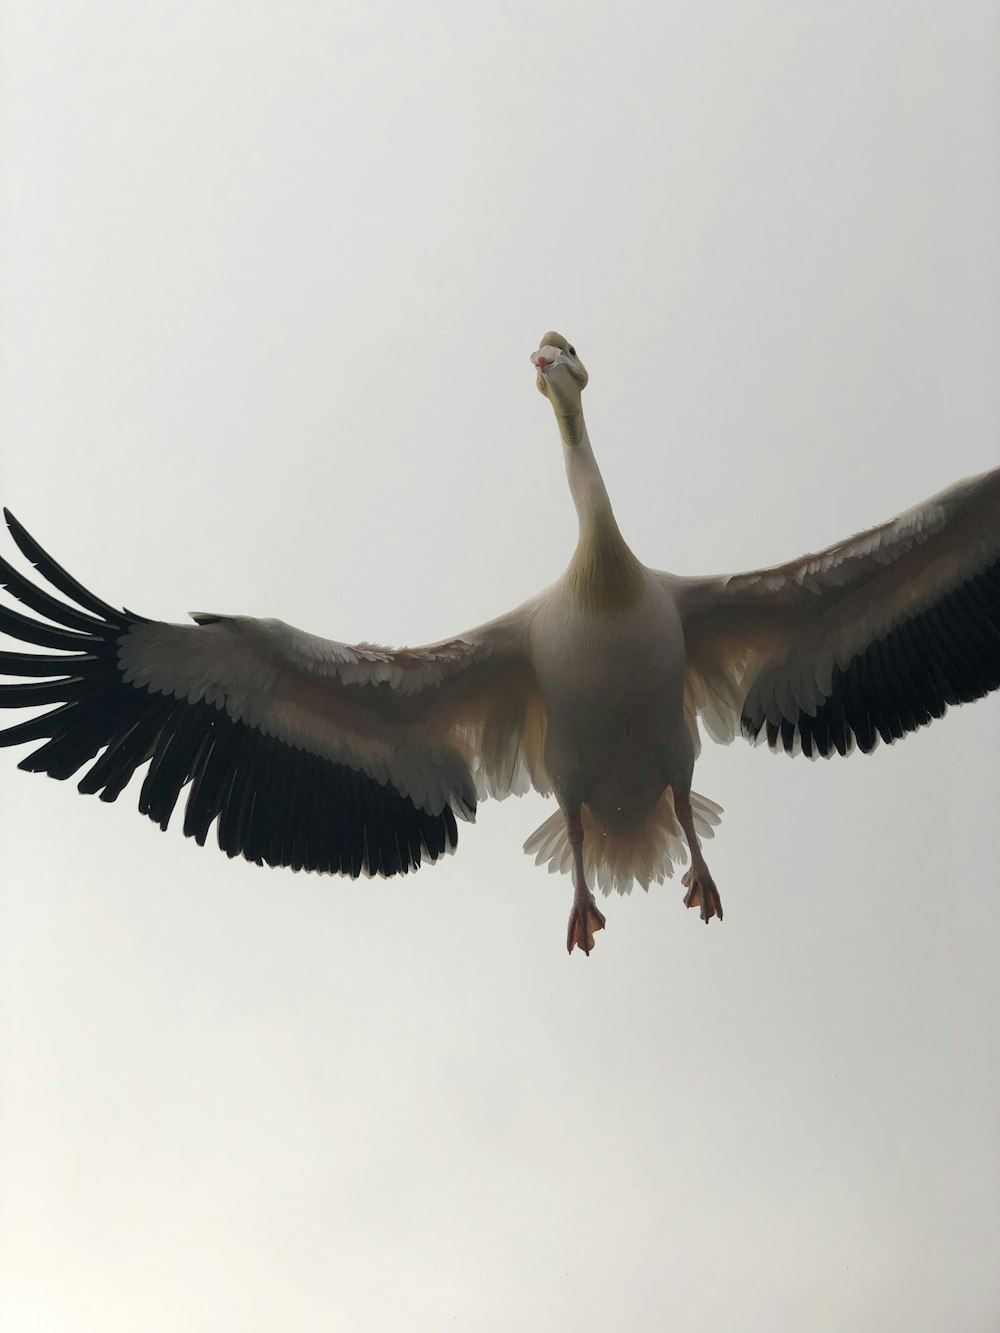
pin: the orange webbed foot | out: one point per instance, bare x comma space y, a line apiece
701, 892
584, 921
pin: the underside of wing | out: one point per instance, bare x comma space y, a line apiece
303, 752
867, 641
948, 653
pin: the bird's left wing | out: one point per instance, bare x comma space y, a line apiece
307, 752
871, 638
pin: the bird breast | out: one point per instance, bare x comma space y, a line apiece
613, 688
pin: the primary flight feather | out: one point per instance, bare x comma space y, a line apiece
356, 759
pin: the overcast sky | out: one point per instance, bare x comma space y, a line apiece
270, 277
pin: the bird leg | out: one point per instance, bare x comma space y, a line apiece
701, 890
584, 919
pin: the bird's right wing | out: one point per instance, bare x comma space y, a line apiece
307, 752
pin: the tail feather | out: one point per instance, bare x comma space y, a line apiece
615, 860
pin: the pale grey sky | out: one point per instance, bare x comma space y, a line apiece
270, 278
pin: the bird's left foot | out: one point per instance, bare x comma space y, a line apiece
701, 892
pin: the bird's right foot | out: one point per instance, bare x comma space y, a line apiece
584, 920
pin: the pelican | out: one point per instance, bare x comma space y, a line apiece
357, 759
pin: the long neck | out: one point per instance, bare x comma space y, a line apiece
604, 574
586, 484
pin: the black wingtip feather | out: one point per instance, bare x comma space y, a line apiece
44, 603
58, 577
27, 630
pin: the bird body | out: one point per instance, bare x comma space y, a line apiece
356, 759
612, 685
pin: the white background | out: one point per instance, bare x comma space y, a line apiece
271, 276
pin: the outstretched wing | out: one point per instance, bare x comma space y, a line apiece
306, 752
873, 637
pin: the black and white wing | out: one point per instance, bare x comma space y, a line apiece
869, 639
305, 752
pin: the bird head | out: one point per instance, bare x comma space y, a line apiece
562, 376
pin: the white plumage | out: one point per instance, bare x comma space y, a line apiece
357, 759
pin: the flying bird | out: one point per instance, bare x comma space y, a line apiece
357, 759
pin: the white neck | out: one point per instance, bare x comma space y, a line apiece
586, 484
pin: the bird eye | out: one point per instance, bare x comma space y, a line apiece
572, 351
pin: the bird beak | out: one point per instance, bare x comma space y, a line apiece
545, 358
549, 358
